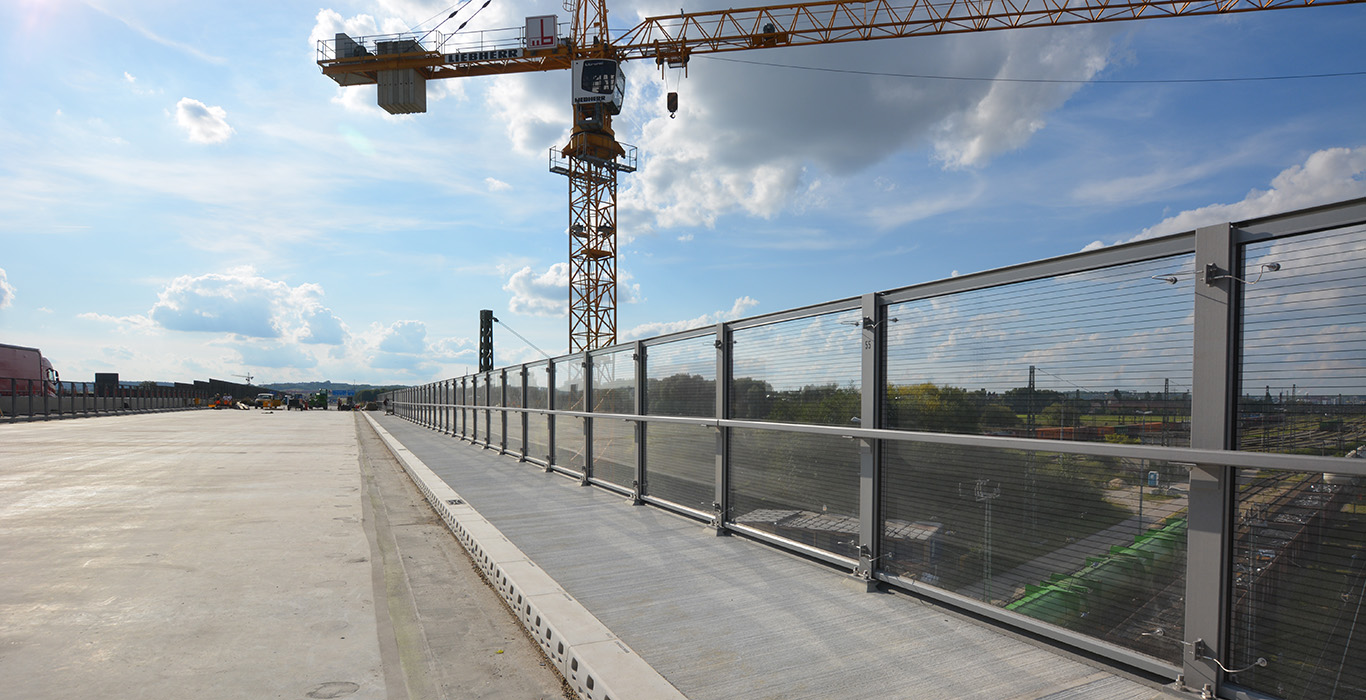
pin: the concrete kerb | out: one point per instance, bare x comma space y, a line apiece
597, 664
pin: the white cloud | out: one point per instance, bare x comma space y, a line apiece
274, 355
1162, 181
749, 139
648, 330
546, 294
898, 214
1330, 175
1004, 117
132, 81
242, 303
533, 109
628, 291
322, 327
328, 23
403, 346
202, 123
6, 290
496, 185
123, 323
451, 349
408, 337
118, 352
137, 27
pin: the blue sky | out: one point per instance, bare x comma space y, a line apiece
184, 195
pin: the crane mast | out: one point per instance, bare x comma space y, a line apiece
591, 160
401, 65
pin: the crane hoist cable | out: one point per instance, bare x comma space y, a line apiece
462, 24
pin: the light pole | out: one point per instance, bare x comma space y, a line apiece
983, 492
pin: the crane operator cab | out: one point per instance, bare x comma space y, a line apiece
599, 87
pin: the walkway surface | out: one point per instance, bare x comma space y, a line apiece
726, 618
237, 554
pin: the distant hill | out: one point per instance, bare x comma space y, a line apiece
315, 387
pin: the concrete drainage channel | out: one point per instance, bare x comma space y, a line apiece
597, 665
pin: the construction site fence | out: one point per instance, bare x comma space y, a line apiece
33, 399
1148, 451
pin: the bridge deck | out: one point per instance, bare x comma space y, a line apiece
728, 618
237, 554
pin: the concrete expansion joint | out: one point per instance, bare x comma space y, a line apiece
590, 657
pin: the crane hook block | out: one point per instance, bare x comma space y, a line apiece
671, 101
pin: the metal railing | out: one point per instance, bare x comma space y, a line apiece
33, 399
1081, 447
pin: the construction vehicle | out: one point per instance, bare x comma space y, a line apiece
25, 372
401, 64
267, 399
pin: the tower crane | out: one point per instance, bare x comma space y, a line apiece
400, 65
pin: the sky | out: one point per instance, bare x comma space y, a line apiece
183, 195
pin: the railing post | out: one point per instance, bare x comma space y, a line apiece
503, 415
1214, 372
721, 506
523, 416
638, 355
587, 363
488, 415
550, 422
870, 451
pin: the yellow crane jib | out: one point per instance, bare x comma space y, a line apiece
401, 65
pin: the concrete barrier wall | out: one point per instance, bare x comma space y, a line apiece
39, 407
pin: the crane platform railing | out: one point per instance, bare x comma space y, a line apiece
838, 21
559, 162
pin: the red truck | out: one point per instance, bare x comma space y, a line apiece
22, 368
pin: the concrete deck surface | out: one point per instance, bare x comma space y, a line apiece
236, 554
